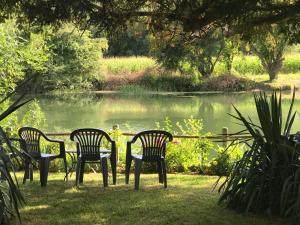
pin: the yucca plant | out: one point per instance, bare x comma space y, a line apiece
267, 178
10, 196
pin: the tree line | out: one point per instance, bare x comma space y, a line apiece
67, 57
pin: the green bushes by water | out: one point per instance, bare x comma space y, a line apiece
159, 79
199, 156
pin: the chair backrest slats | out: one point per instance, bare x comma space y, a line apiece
153, 143
31, 137
88, 142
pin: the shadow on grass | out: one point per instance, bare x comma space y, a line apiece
187, 200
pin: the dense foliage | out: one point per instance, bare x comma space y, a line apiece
192, 16
73, 58
267, 177
186, 154
63, 58
201, 54
181, 35
129, 43
66, 58
19, 56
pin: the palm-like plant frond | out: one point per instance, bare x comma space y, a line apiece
10, 196
267, 178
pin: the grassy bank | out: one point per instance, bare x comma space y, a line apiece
136, 74
189, 200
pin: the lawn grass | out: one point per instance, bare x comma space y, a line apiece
284, 81
189, 199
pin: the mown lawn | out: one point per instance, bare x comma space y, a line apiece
284, 81
189, 199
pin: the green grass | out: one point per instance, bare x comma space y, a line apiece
241, 65
189, 199
284, 81
121, 65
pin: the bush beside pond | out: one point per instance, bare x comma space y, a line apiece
200, 156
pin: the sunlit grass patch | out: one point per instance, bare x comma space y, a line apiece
284, 81
189, 199
117, 65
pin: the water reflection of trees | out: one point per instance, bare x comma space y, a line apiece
96, 110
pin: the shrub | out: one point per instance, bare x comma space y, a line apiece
74, 61
11, 198
227, 83
163, 80
186, 154
266, 179
222, 164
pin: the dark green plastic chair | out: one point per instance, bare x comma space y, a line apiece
30, 142
153, 150
89, 150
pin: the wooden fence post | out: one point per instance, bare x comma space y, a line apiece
116, 138
225, 136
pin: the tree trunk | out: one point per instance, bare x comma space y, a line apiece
273, 68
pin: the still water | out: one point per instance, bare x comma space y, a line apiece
103, 110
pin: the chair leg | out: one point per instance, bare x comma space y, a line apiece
104, 169
160, 175
164, 170
113, 164
66, 168
44, 167
127, 170
137, 172
73, 164
78, 169
81, 171
31, 172
26, 172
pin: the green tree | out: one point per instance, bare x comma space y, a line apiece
269, 45
11, 69
20, 54
132, 41
74, 58
201, 54
231, 48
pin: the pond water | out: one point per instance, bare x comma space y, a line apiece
103, 110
